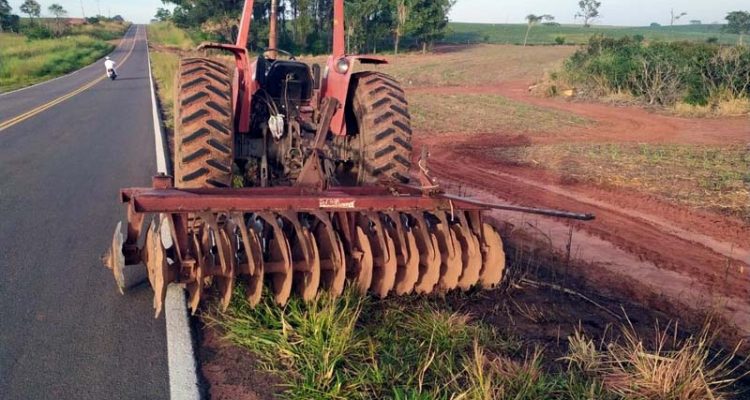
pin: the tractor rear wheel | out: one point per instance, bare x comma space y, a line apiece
384, 127
204, 125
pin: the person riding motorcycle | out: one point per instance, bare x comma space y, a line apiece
110, 66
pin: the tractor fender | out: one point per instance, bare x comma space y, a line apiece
336, 82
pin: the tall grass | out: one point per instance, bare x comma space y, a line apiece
24, 62
164, 67
167, 34
357, 348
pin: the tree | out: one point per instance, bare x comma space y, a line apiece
589, 11
58, 11
429, 20
31, 8
532, 20
675, 16
739, 23
401, 8
696, 22
163, 14
5, 15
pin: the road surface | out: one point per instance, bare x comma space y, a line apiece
65, 332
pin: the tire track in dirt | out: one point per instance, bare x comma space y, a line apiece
618, 124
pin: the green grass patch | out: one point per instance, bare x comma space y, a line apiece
484, 113
418, 348
462, 33
709, 177
164, 68
24, 62
167, 34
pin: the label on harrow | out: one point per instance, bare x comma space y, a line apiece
337, 203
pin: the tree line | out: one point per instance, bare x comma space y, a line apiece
305, 26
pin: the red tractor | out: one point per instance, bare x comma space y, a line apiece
298, 178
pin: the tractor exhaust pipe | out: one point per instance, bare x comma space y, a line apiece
273, 38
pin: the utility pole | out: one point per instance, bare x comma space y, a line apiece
99, 7
83, 12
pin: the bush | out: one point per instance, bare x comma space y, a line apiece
662, 73
560, 40
38, 31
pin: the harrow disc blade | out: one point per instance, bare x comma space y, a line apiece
332, 262
471, 256
450, 255
195, 287
278, 263
429, 256
249, 261
115, 260
384, 257
224, 279
361, 262
155, 258
305, 258
493, 255
409, 270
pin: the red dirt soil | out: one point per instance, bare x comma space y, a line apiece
616, 124
667, 256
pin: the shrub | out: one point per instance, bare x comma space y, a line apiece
560, 40
662, 73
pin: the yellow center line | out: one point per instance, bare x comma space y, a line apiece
36, 111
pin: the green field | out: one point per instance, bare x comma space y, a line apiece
24, 61
462, 33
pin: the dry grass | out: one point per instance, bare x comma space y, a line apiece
164, 67
469, 114
708, 177
670, 368
475, 65
723, 108
167, 34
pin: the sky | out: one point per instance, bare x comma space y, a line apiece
614, 12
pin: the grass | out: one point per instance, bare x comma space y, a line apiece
167, 34
25, 62
462, 33
164, 67
358, 348
484, 113
708, 177
476, 65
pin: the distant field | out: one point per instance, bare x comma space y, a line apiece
576, 34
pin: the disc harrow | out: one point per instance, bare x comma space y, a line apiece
287, 241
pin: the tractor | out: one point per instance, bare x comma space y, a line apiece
299, 178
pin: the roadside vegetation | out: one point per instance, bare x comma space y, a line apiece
42, 49
416, 348
168, 35
700, 79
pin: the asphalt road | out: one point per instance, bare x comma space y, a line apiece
65, 332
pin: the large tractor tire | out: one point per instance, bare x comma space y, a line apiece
384, 127
204, 125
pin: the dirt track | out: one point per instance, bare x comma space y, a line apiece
663, 255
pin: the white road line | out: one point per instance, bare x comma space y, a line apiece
76, 71
183, 376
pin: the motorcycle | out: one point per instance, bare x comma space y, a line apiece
112, 74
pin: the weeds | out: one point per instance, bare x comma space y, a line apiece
167, 34
713, 178
359, 348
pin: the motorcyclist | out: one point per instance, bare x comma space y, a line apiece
110, 66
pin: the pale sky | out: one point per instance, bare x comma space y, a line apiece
614, 12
